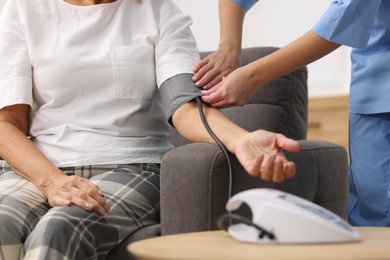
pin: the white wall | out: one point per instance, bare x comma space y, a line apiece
2, 3
276, 23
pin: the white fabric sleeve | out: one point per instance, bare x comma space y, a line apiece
176, 51
15, 70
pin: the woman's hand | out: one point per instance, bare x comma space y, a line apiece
260, 154
75, 190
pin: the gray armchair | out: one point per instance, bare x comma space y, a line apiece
194, 176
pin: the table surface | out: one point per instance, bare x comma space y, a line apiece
375, 244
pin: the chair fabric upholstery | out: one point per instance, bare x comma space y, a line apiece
195, 179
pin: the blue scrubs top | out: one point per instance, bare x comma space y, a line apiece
246, 4
365, 26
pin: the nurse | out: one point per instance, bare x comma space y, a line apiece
364, 26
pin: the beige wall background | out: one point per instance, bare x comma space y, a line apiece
275, 23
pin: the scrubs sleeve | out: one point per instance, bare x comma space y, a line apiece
176, 51
348, 22
246, 4
15, 69
177, 91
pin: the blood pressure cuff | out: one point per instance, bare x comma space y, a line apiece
176, 91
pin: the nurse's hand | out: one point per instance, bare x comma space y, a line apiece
74, 190
260, 154
211, 70
234, 90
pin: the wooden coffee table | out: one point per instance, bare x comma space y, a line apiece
375, 244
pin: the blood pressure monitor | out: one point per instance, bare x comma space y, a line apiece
280, 217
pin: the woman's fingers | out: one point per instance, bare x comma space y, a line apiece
74, 190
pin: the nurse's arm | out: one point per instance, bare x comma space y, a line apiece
259, 152
306, 49
211, 70
301, 52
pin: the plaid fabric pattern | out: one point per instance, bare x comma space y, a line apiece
31, 229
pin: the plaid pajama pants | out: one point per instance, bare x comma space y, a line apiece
30, 229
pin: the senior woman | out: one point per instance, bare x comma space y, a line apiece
88, 89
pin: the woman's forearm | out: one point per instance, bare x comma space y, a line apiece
188, 123
24, 157
28, 161
259, 152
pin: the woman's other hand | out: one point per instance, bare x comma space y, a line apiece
74, 190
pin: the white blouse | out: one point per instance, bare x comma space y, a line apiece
91, 75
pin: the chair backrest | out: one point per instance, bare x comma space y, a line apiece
279, 106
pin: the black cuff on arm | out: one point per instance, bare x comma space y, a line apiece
177, 91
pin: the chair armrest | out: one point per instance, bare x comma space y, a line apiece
194, 188
328, 162
195, 183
